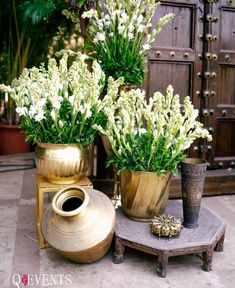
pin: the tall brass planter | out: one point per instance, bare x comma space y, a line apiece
62, 163
192, 180
143, 194
79, 224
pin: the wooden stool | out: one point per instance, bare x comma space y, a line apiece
206, 238
44, 187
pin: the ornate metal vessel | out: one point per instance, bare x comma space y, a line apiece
144, 194
79, 224
192, 181
62, 163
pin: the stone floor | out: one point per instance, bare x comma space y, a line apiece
19, 252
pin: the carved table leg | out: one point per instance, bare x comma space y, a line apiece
119, 251
207, 257
162, 265
219, 247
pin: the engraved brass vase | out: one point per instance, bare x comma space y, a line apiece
62, 163
79, 224
192, 181
143, 194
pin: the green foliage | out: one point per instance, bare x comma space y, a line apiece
40, 10
138, 159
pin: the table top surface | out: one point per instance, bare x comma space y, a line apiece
209, 230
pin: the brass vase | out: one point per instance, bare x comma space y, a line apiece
143, 194
62, 163
192, 181
79, 224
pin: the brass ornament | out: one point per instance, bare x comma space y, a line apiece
166, 226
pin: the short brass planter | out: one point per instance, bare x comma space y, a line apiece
62, 163
79, 224
143, 194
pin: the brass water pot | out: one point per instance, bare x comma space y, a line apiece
62, 163
79, 224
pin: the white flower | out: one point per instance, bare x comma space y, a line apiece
56, 104
141, 28
61, 123
99, 37
142, 131
53, 115
130, 36
121, 29
22, 111
146, 47
89, 14
40, 116
71, 99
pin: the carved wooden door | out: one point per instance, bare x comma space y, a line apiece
177, 53
196, 54
219, 82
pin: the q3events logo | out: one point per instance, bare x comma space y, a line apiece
41, 280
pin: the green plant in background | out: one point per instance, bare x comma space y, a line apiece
31, 31
120, 34
60, 104
150, 136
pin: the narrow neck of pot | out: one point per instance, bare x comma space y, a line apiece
70, 202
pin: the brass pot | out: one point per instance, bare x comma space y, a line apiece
79, 224
62, 163
143, 194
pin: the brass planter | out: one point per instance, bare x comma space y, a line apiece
62, 163
79, 224
144, 194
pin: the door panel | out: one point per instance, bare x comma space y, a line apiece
222, 121
175, 56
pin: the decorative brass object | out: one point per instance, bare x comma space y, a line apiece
158, 53
215, 38
208, 56
213, 93
186, 55
205, 112
166, 226
215, 56
224, 112
192, 180
172, 54
227, 57
209, 37
230, 2
62, 163
143, 194
79, 224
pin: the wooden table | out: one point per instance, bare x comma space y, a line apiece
206, 238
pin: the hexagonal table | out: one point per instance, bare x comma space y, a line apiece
206, 238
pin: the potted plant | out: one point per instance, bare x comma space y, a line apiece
58, 107
120, 34
148, 140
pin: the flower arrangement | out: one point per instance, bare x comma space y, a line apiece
60, 104
120, 35
150, 136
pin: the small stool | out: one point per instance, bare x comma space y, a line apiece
206, 238
45, 187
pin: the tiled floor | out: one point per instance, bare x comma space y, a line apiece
19, 252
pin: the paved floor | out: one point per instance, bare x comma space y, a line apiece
19, 252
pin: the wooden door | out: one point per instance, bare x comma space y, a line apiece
219, 109
176, 55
